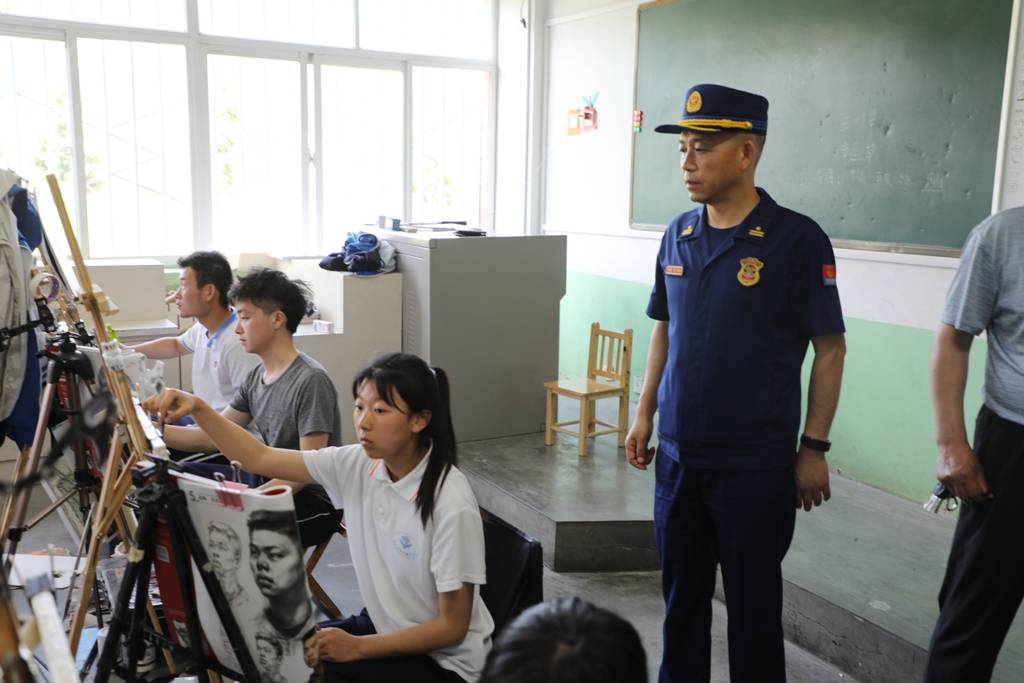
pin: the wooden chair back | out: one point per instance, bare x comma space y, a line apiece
610, 354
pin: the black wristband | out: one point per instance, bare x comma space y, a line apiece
815, 444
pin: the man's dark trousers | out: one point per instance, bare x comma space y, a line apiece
984, 580
744, 520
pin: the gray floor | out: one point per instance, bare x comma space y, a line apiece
635, 595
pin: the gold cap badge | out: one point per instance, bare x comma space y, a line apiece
750, 271
694, 102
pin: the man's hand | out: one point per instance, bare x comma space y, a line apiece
333, 645
638, 453
811, 474
959, 469
170, 405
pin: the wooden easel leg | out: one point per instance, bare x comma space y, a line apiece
98, 535
17, 473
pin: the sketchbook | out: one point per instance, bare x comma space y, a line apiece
252, 540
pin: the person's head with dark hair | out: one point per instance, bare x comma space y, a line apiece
269, 305
269, 652
275, 553
401, 411
224, 548
203, 284
567, 641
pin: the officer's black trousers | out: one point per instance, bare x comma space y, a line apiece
984, 580
742, 519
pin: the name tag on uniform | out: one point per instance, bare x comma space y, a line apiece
674, 270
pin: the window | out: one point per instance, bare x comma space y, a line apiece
35, 139
454, 28
249, 125
451, 143
162, 14
363, 148
135, 137
320, 22
255, 154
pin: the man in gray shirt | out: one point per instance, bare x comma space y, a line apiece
984, 578
288, 400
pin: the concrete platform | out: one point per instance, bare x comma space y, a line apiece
590, 514
862, 574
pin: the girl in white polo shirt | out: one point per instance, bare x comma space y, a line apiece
414, 527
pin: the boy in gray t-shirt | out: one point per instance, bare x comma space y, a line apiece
288, 400
302, 400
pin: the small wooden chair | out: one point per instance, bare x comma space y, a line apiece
607, 377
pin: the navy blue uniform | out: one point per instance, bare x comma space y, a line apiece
741, 309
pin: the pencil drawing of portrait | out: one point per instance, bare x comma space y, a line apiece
275, 557
269, 652
252, 541
225, 550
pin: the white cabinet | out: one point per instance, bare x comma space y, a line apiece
486, 310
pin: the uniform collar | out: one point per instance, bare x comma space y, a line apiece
757, 226
753, 228
408, 486
693, 227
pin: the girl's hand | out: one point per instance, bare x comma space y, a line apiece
336, 645
170, 405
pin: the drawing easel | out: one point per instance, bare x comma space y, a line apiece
131, 442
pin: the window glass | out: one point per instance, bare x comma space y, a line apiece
319, 22
451, 145
35, 137
256, 155
454, 28
135, 136
362, 148
162, 14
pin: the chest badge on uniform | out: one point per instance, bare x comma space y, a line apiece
750, 271
676, 270
688, 230
756, 232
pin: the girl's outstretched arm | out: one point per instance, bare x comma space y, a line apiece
233, 441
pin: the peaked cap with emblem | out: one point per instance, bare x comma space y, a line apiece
711, 108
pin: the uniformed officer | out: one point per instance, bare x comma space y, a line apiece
740, 288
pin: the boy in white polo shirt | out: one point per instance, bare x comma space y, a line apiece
220, 363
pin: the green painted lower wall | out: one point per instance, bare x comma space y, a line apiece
883, 432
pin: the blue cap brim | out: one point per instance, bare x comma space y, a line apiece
669, 128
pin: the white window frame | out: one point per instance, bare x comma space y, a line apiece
198, 47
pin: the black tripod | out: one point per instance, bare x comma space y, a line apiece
159, 494
66, 372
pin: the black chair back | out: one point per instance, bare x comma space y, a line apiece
515, 571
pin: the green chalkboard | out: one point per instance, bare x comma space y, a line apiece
883, 117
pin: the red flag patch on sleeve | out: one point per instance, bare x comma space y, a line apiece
828, 275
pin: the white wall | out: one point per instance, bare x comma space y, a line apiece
512, 119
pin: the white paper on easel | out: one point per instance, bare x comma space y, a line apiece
258, 558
